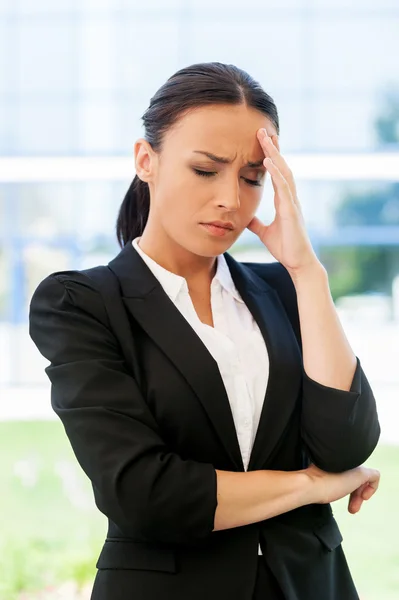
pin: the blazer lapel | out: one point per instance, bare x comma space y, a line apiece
152, 308
285, 370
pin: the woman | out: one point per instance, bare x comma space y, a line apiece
217, 407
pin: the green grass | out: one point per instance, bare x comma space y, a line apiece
371, 536
46, 538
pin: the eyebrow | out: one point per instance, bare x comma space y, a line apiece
227, 161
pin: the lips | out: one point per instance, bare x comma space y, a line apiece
216, 230
221, 224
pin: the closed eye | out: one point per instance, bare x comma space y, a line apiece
212, 173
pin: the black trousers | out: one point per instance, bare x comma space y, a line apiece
266, 586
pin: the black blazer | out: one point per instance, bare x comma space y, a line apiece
146, 412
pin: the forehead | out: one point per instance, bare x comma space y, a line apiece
221, 129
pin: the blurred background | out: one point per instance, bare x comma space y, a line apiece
75, 78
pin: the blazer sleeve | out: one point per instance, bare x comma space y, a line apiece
150, 492
340, 429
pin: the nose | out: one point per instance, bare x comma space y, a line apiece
230, 197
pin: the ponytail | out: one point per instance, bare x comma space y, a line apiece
133, 213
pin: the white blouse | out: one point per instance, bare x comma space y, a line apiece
235, 342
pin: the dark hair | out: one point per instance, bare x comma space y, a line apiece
189, 88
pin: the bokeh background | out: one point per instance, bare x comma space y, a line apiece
75, 78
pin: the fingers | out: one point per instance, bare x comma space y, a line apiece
364, 492
370, 490
280, 184
373, 481
266, 141
355, 505
355, 501
256, 226
271, 149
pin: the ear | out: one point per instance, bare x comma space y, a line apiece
144, 158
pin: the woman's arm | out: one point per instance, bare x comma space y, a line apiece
328, 357
150, 492
340, 427
339, 420
253, 496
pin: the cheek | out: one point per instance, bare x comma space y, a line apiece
177, 185
251, 201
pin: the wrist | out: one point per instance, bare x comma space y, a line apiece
313, 272
309, 491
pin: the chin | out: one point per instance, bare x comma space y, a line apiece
212, 247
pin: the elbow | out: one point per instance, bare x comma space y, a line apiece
171, 528
164, 509
181, 512
348, 451
341, 429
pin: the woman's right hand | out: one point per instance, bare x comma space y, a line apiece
361, 483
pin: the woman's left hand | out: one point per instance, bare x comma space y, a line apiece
286, 237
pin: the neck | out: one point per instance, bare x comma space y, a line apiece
197, 270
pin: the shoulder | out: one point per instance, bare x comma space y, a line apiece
68, 320
70, 290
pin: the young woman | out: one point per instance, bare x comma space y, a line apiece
216, 406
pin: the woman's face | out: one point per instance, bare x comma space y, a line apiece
188, 187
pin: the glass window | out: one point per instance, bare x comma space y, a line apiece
151, 5
55, 210
355, 54
254, 47
149, 53
8, 123
5, 63
46, 7
293, 127
342, 123
129, 123
96, 125
357, 5
245, 8
47, 60
98, 56
45, 126
6, 7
